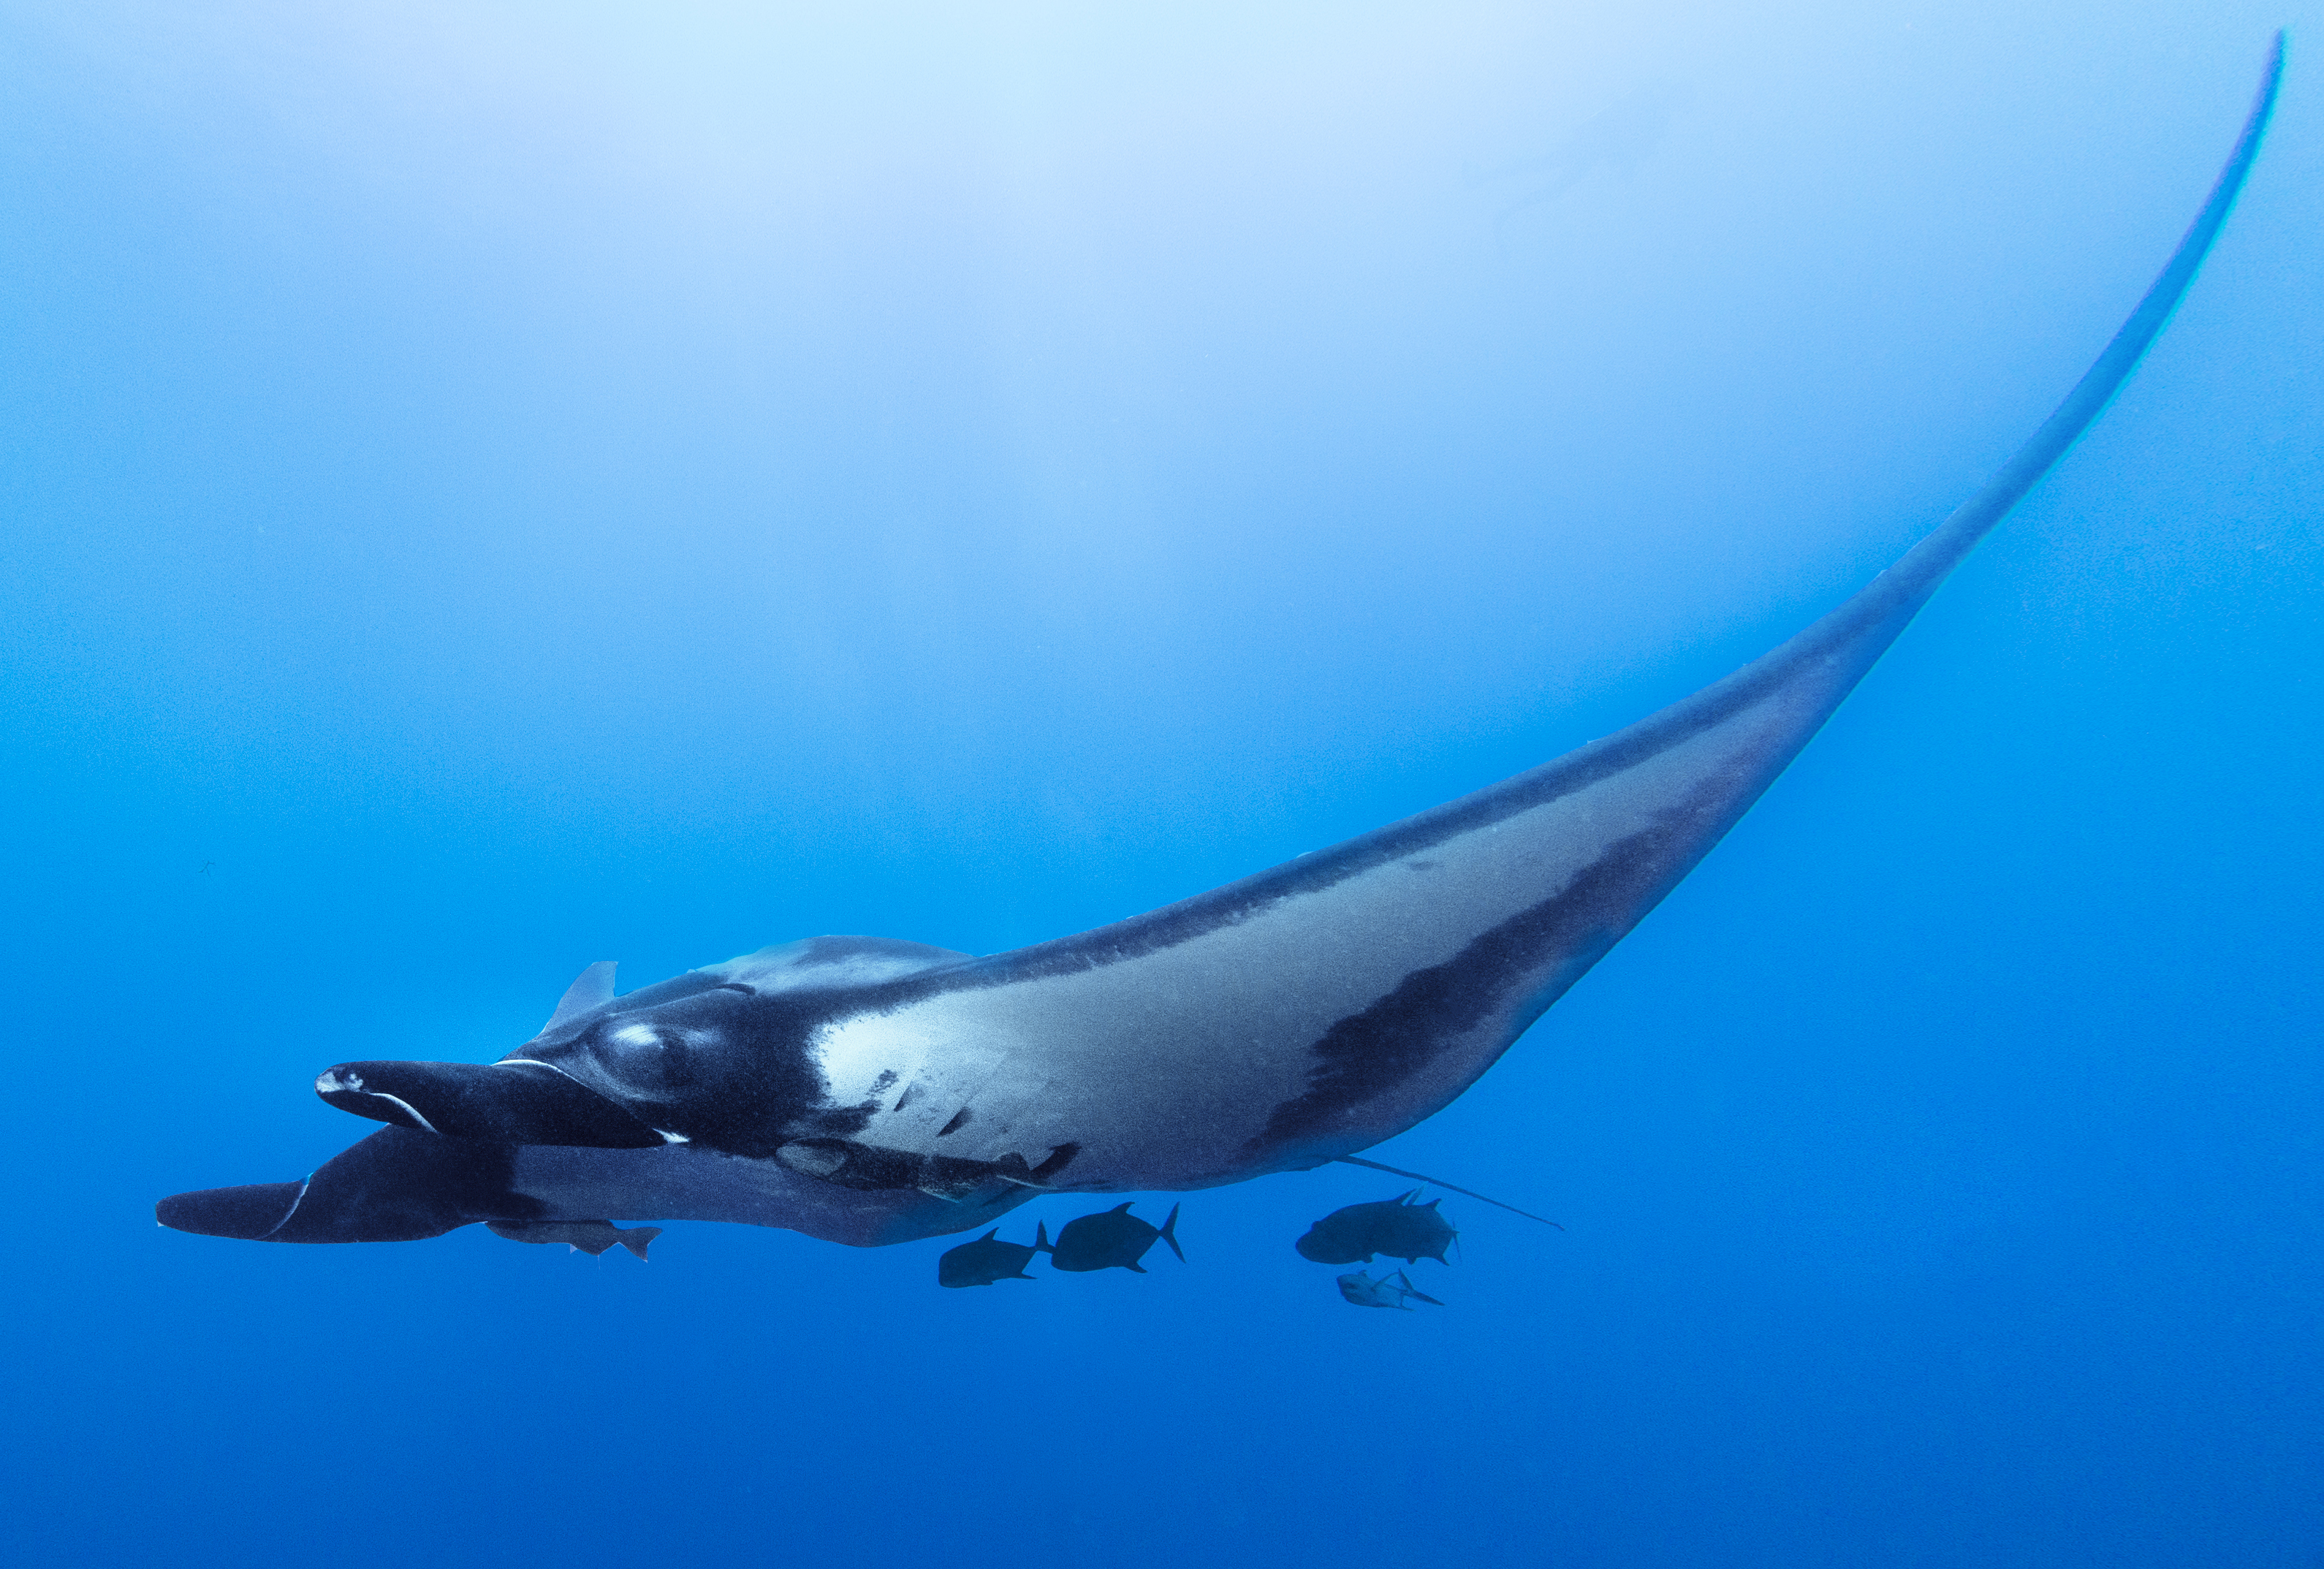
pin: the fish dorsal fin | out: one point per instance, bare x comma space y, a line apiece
592, 988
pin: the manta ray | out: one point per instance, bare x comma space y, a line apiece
870, 1092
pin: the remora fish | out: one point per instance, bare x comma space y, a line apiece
1387, 1291
590, 1237
870, 1092
1395, 1226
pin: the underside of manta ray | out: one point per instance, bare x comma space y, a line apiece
867, 1092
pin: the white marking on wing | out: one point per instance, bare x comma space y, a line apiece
406, 1106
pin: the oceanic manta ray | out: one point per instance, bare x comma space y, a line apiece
870, 1092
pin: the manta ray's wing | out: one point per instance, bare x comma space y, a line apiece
1320, 1007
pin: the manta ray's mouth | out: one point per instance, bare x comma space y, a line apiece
252, 1213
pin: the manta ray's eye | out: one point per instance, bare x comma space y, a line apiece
645, 1061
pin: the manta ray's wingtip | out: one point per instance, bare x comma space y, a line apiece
1927, 564
2271, 80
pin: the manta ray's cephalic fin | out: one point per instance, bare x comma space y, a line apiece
519, 1103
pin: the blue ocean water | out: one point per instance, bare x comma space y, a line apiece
491, 488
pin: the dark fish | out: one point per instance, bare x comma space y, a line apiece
1396, 1227
590, 1237
1387, 1291
1110, 1240
985, 1261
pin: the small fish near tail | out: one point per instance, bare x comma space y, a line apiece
1391, 1291
591, 1237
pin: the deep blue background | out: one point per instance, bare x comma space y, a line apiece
491, 487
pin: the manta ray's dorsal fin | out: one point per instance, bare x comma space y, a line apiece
592, 988
1439, 1182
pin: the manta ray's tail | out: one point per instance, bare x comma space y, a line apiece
1439, 1182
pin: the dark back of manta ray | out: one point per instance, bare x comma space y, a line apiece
1395, 1227
1112, 1239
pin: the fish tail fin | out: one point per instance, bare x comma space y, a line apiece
1169, 1234
636, 1238
1041, 1244
1404, 1284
